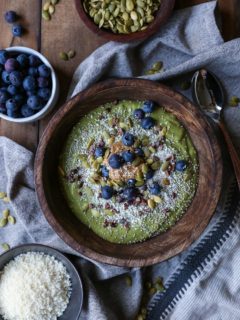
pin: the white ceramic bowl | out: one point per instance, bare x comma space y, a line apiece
55, 88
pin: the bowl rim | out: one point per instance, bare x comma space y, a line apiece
57, 226
54, 93
52, 251
160, 18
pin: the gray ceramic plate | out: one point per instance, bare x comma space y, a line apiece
75, 304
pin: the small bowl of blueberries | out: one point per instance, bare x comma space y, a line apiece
28, 85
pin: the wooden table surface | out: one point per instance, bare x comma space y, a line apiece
64, 32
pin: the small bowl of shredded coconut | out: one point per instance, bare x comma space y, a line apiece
38, 283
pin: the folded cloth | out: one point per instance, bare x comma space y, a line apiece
203, 281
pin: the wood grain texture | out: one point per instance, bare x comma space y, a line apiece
160, 247
26, 134
230, 13
160, 18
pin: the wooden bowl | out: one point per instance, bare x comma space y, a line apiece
161, 17
162, 246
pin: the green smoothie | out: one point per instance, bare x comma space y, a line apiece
128, 174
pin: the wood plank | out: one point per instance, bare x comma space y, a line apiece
25, 134
64, 32
230, 11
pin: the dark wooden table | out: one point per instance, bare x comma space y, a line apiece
64, 32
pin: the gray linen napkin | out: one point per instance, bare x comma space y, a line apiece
190, 40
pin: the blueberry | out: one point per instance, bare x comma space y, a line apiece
43, 82
10, 16
131, 182
31, 93
35, 102
128, 139
12, 90
11, 64
139, 114
181, 165
107, 192
115, 161
32, 71
44, 93
128, 156
105, 172
12, 105
29, 83
148, 106
150, 174
155, 189
4, 96
99, 152
34, 61
17, 30
3, 108
130, 193
16, 78
19, 98
44, 71
4, 55
22, 60
139, 152
12, 113
26, 111
147, 123
6, 77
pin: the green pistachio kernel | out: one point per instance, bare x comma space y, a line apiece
63, 56
2, 195
5, 213
156, 165
11, 220
5, 246
3, 222
164, 165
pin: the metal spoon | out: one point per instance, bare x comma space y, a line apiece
207, 92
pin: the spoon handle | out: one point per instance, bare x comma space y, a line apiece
232, 151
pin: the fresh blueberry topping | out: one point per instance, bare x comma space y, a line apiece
26, 111
107, 192
131, 182
19, 98
11, 104
130, 193
148, 106
34, 102
155, 189
4, 55
12, 90
44, 93
43, 82
128, 156
10, 16
44, 71
3, 108
139, 114
139, 152
16, 78
147, 123
22, 59
149, 174
29, 83
99, 152
115, 161
105, 172
128, 139
181, 165
4, 96
6, 77
11, 64
32, 71
34, 61
12, 113
17, 30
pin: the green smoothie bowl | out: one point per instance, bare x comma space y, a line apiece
128, 172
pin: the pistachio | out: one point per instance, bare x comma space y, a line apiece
96, 165
157, 199
6, 199
46, 5
139, 183
54, 2
145, 141
71, 54
149, 161
95, 213
63, 56
3, 222
90, 143
11, 220
151, 149
2, 195
5, 246
108, 212
85, 206
165, 165
152, 291
129, 5
123, 125
111, 141
106, 135
165, 182
107, 152
157, 66
46, 16
151, 203
128, 280
140, 317
99, 160
51, 9
133, 15
147, 153
145, 168
234, 101
156, 165
5, 213
137, 162
85, 164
